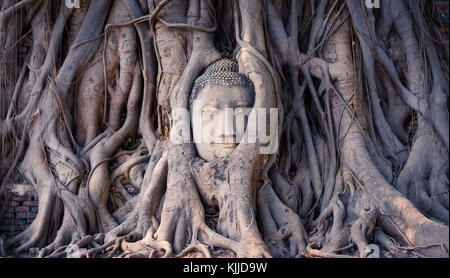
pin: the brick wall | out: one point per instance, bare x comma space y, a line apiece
444, 18
21, 211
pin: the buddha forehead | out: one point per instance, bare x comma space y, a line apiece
221, 82
220, 96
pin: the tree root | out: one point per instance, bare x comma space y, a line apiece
281, 225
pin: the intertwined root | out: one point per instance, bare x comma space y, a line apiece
282, 228
423, 178
182, 231
347, 222
347, 149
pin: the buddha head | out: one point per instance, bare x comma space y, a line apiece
219, 101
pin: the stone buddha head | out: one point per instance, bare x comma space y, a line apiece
219, 101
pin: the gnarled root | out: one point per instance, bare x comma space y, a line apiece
282, 228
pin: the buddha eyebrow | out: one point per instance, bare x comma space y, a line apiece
242, 104
213, 105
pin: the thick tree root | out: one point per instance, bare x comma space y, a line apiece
370, 85
282, 228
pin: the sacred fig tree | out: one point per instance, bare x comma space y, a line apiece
247, 128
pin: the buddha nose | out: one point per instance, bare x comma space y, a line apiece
227, 130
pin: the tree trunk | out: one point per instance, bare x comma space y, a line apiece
344, 147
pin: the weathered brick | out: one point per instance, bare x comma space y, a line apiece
5, 228
8, 214
19, 189
14, 204
5, 221
10, 234
19, 228
22, 209
26, 199
17, 198
26, 215
21, 215
19, 222
30, 203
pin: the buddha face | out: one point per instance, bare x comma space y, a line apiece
218, 119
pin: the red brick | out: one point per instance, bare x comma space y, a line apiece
16, 198
22, 209
26, 215
19, 222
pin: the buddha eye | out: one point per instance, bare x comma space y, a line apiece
210, 110
239, 111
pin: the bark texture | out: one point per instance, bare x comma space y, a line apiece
88, 111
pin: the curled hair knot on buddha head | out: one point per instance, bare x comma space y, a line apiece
224, 72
